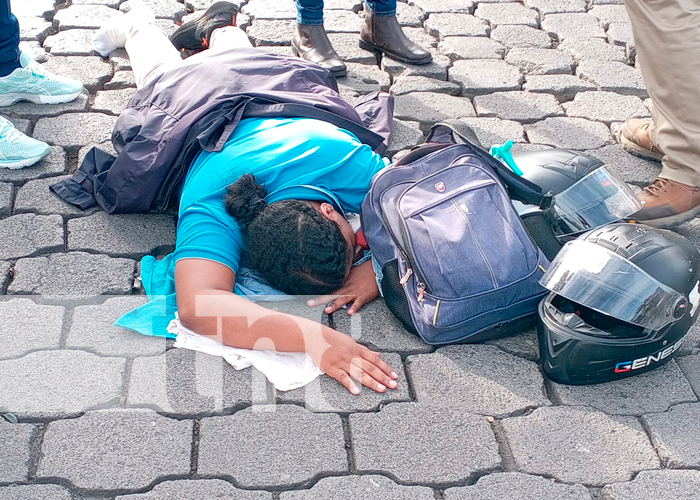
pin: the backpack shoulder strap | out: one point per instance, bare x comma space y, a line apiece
458, 132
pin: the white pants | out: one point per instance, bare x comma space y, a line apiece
667, 37
151, 53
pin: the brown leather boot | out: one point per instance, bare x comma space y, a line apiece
311, 42
635, 137
384, 34
667, 203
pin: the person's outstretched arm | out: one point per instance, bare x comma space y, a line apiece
207, 306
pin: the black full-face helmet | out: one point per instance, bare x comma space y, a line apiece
586, 194
622, 299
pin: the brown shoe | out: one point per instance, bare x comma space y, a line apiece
384, 34
311, 42
636, 139
667, 203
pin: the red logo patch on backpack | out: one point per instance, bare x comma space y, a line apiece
440, 186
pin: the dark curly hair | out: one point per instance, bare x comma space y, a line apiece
288, 242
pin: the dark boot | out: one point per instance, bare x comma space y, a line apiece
384, 34
195, 34
310, 42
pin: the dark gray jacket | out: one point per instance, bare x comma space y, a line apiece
195, 107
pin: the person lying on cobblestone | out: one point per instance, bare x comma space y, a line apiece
313, 172
667, 36
23, 79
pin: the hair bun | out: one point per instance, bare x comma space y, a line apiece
245, 199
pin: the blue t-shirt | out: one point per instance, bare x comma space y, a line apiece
293, 158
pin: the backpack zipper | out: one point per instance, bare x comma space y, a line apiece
478, 245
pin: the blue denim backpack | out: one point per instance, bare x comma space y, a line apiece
455, 257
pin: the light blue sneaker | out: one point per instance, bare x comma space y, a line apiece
16, 149
33, 83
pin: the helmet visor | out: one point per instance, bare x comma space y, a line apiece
600, 198
597, 278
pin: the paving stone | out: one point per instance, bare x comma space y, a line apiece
113, 101
437, 69
557, 6
4, 275
677, 443
608, 14
363, 79
632, 169
435, 6
6, 192
201, 489
621, 34
606, 107
563, 26
146, 446
75, 129
263, 9
185, 382
92, 330
408, 84
271, 32
84, 17
20, 124
109, 3
34, 28
653, 391
569, 133
579, 445
492, 131
463, 377
71, 43
353, 5
423, 444
36, 197
54, 163
471, 47
93, 72
345, 44
369, 487
662, 484
262, 435
342, 21
125, 235
485, 76
431, 107
593, 49
690, 365
35, 8
28, 234
15, 451
377, 328
120, 60
26, 326
409, 15
29, 109
74, 274
421, 37
47, 384
443, 25
563, 87
507, 13
35, 492
35, 51
517, 485
121, 80
521, 36
167, 9
325, 394
404, 135
613, 76
526, 107
541, 61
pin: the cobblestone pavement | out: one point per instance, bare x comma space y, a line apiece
105, 413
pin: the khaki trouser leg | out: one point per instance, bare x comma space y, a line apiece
667, 37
